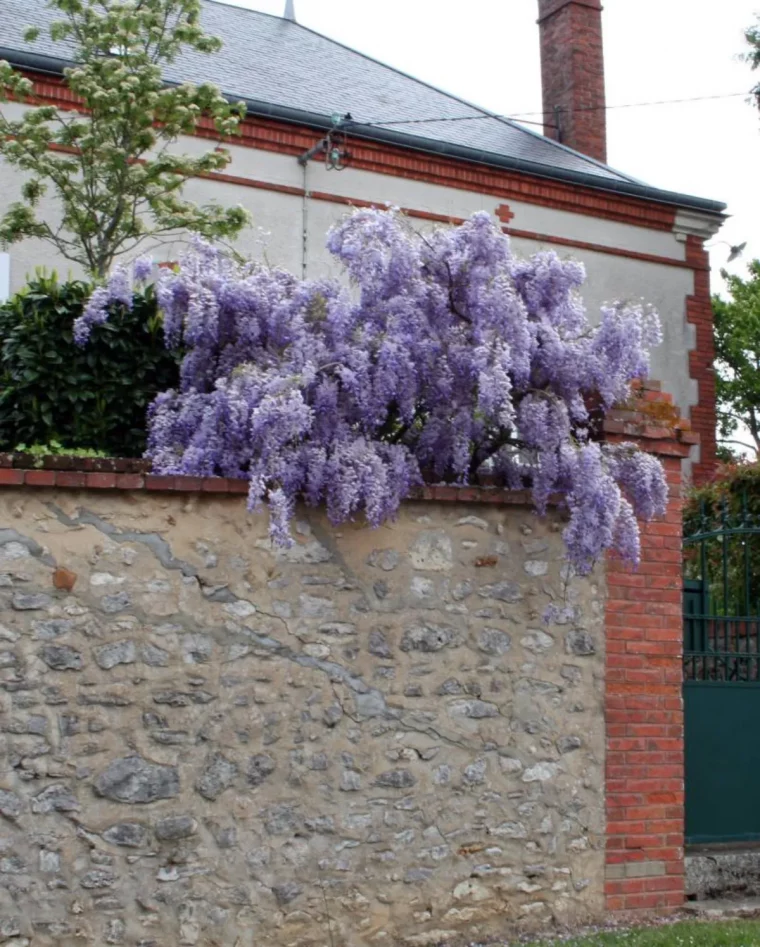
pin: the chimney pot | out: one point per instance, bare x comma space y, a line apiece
572, 74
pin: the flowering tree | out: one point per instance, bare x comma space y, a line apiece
114, 165
448, 357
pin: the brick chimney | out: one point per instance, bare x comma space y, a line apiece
572, 74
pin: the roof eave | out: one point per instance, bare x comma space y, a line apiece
477, 156
50, 65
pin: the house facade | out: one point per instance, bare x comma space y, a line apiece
401, 142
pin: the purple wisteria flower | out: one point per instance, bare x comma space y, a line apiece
142, 269
117, 290
447, 357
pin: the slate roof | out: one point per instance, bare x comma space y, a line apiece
288, 71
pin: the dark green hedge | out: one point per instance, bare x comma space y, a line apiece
93, 397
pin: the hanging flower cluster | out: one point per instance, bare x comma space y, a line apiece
444, 358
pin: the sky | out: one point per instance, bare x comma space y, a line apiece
487, 51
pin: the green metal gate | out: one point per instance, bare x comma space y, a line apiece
722, 674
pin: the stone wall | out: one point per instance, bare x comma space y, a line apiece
372, 737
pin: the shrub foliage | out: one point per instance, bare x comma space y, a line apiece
52, 390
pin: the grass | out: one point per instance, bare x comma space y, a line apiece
692, 934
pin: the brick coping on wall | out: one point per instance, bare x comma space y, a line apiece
635, 423
111, 473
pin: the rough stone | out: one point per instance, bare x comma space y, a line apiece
61, 657
510, 830
568, 744
493, 641
56, 798
119, 652
462, 590
127, 834
385, 559
475, 773
537, 641
332, 715
175, 827
509, 764
197, 649
541, 772
475, 709
183, 698
51, 628
135, 780
580, 642
30, 602
260, 767
218, 775
98, 878
432, 551
378, 644
337, 629
350, 781
505, 591
113, 604
572, 673
429, 638
286, 892
280, 819
153, 656
11, 805
475, 521
450, 686
396, 779
415, 876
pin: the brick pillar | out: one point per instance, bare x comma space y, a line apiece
643, 694
572, 74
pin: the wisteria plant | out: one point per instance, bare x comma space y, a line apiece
442, 357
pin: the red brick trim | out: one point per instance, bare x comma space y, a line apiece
448, 219
699, 313
643, 696
284, 138
466, 176
153, 483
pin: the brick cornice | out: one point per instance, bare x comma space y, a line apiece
284, 138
